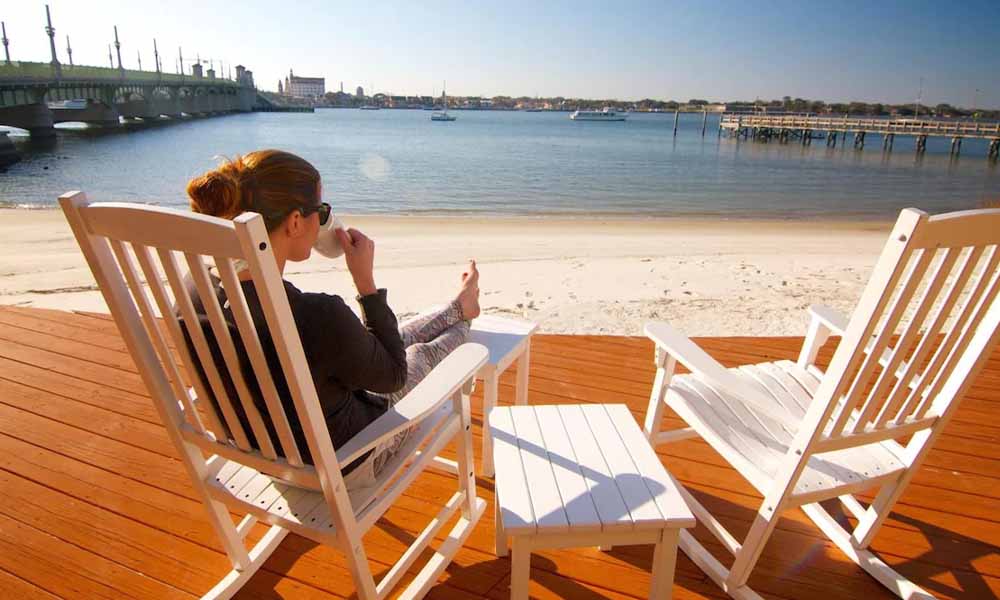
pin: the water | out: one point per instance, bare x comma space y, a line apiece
399, 162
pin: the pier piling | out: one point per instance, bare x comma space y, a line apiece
994, 150
921, 144
956, 146
704, 122
677, 114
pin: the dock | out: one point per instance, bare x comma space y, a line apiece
97, 504
805, 128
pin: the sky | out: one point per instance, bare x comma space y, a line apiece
888, 51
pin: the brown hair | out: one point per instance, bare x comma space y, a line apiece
270, 182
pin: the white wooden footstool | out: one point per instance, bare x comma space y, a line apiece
582, 475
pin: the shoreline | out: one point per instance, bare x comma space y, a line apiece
850, 221
581, 276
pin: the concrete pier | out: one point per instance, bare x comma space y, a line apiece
94, 113
8, 153
35, 117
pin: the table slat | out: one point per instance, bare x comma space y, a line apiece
580, 509
640, 503
513, 498
658, 481
607, 499
550, 515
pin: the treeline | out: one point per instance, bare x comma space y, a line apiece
874, 109
786, 104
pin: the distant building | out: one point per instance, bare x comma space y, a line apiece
281, 88
360, 92
304, 87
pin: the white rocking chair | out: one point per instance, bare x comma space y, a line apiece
801, 436
271, 484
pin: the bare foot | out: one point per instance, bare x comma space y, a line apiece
468, 294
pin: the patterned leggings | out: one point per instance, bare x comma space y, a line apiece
428, 340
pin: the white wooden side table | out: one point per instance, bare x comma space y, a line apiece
582, 475
509, 342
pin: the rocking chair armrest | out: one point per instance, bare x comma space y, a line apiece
824, 321
701, 364
457, 369
833, 320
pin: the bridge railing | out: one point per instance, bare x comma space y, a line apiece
886, 125
44, 72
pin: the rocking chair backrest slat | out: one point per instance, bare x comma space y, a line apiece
166, 307
127, 265
852, 349
931, 333
948, 336
224, 340
883, 332
932, 290
253, 348
273, 299
206, 361
223, 357
962, 345
898, 354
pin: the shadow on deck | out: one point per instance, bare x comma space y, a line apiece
96, 505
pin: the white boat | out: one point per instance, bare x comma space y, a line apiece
442, 115
599, 115
370, 107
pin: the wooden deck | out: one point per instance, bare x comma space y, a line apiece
96, 505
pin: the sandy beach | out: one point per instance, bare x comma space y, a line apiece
607, 276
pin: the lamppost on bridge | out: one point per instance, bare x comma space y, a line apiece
139, 56
6, 51
110, 59
69, 51
156, 56
180, 56
118, 50
51, 31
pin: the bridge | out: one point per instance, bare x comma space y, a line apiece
805, 128
37, 96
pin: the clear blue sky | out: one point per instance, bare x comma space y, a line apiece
834, 51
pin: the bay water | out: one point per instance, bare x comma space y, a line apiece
513, 163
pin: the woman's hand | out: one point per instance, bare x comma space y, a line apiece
359, 253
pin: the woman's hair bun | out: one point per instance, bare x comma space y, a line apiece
270, 182
217, 192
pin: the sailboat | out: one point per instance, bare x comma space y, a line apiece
443, 115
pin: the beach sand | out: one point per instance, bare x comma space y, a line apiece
594, 276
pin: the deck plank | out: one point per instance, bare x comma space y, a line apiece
103, 508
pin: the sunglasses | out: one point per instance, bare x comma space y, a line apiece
322, 208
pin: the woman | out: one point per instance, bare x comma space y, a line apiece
360, 369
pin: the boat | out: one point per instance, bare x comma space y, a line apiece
598, 115
370, 107
443, 115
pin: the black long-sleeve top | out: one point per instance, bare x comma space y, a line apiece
348, 358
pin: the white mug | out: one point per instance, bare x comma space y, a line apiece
327, 242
